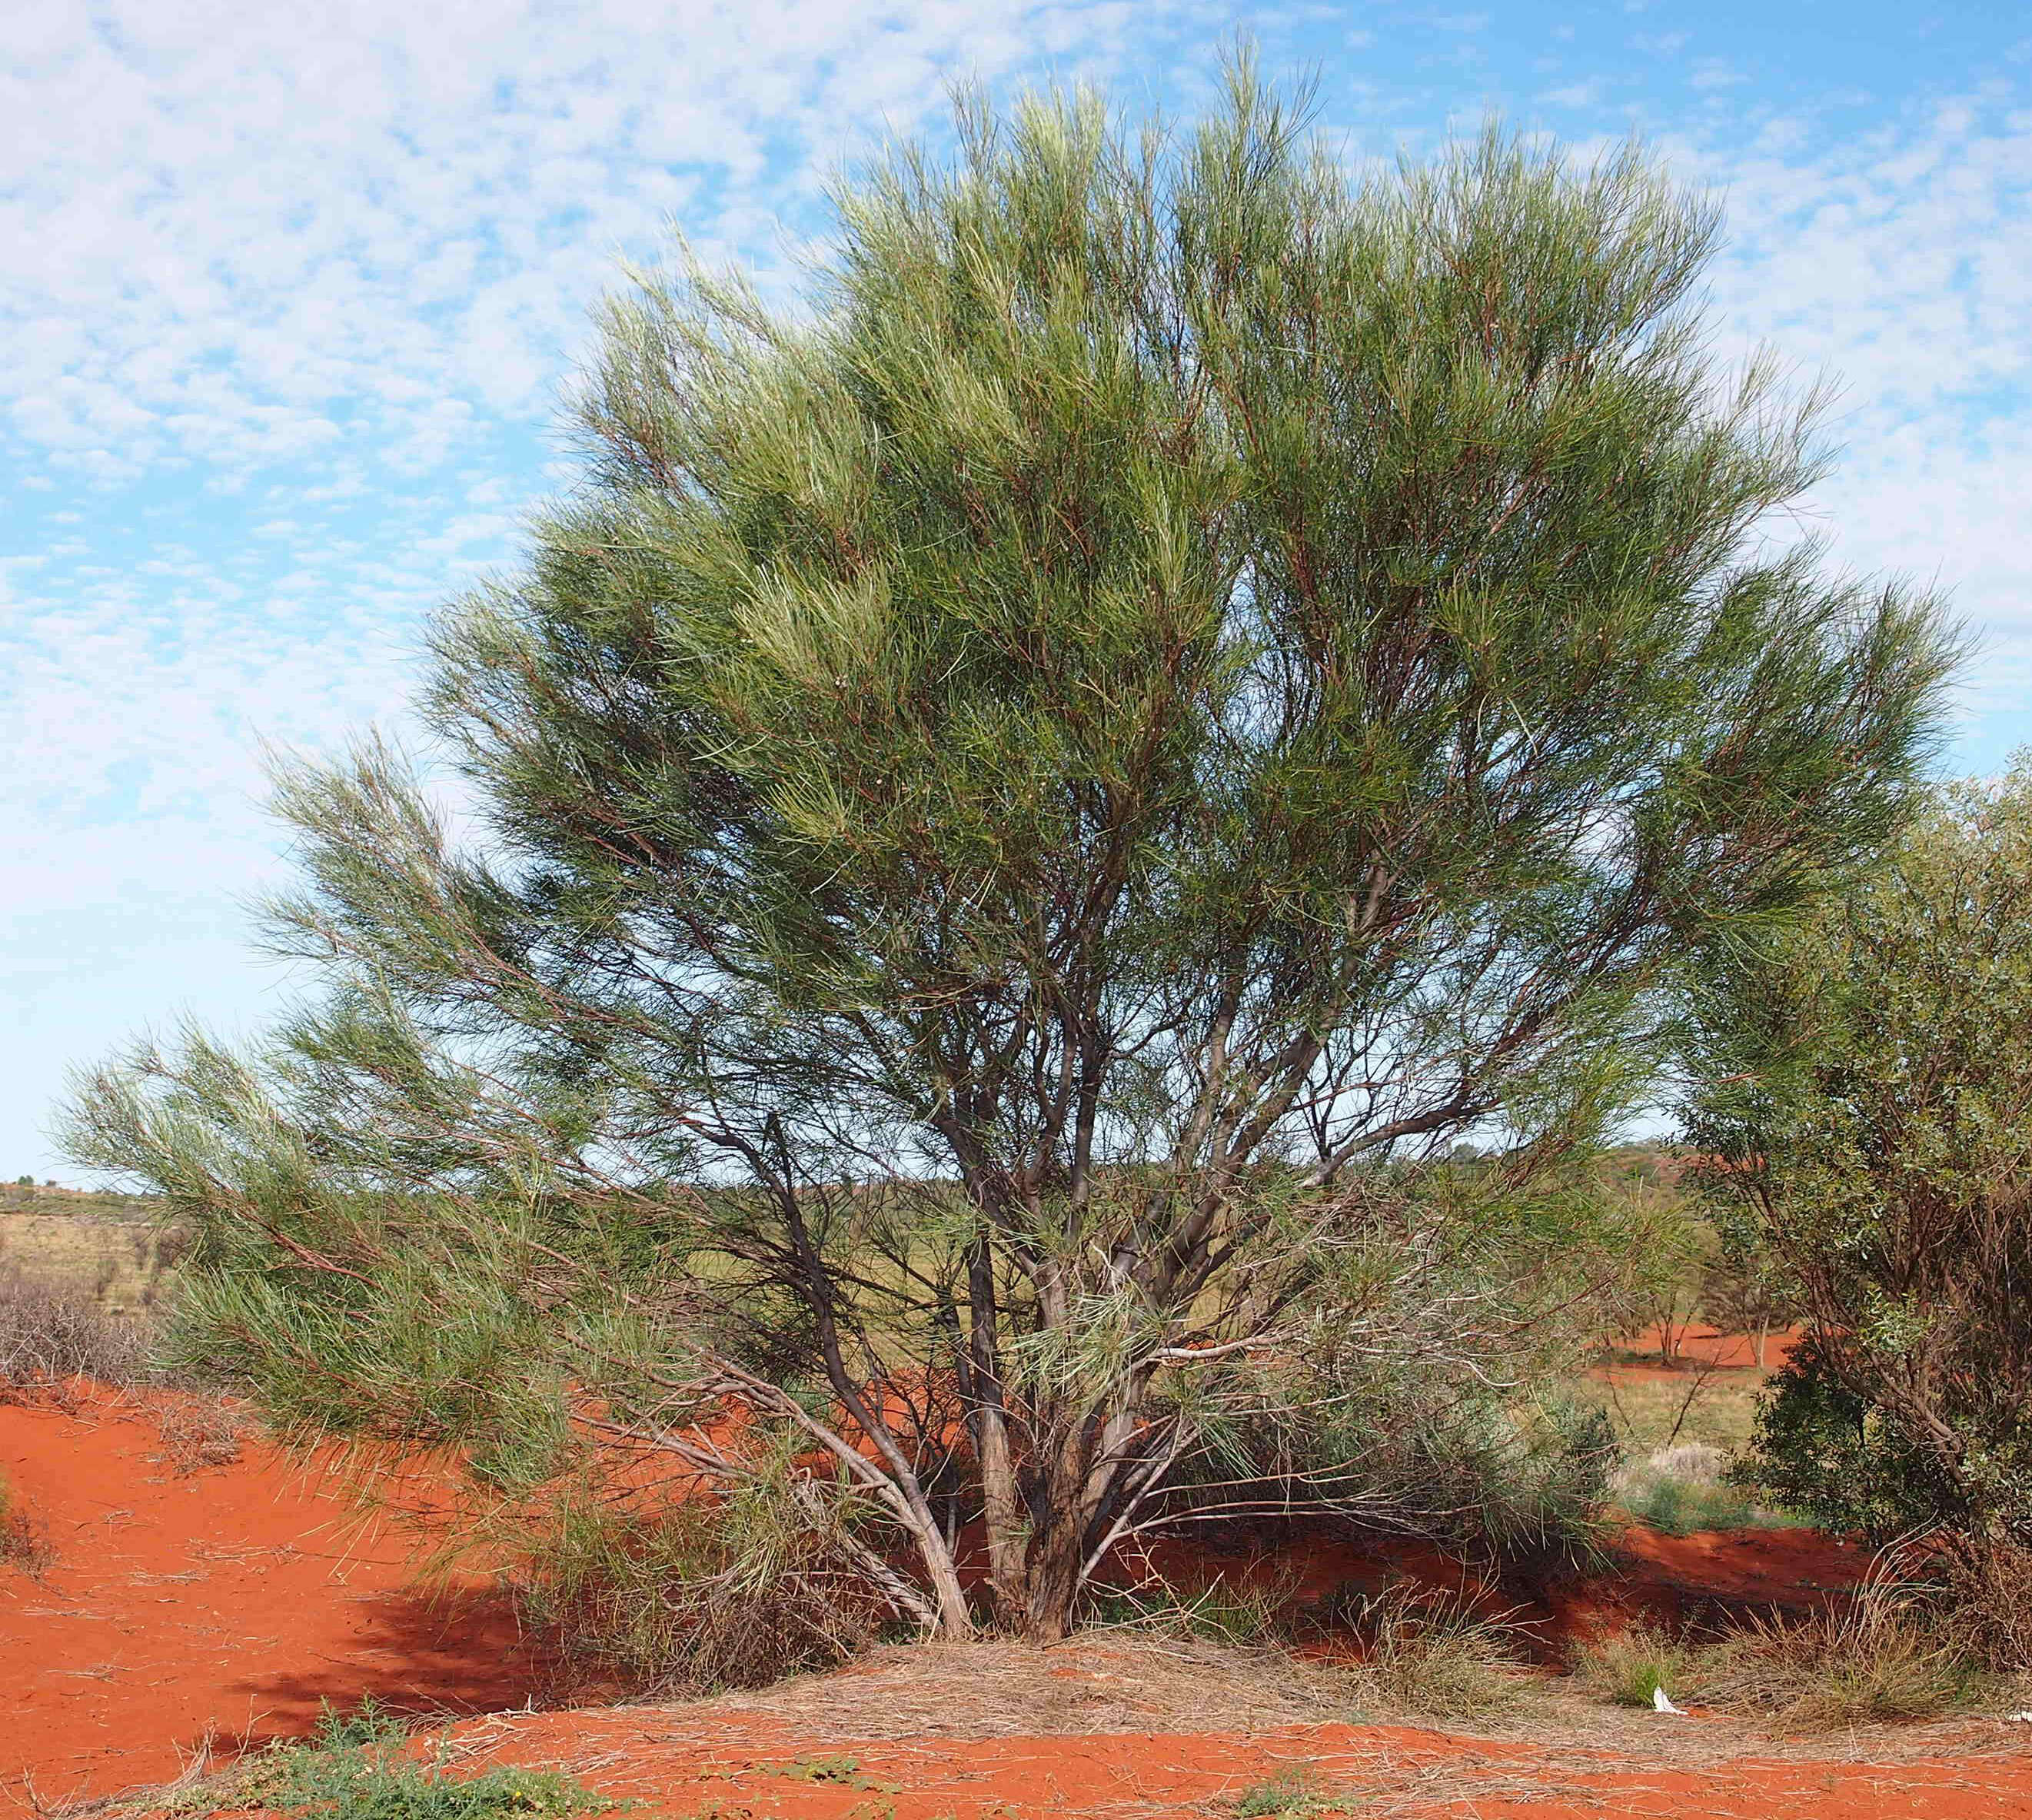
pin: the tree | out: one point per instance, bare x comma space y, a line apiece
1022, 810
1867, 1100
1744, 1290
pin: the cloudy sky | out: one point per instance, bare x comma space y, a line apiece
290, 291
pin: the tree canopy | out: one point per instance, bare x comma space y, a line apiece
1022, 807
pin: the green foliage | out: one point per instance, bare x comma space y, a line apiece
356, 1766
1295, 1791
1820, 1449
1022, 810
1868, 1118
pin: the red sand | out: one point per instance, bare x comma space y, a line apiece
737, 1770
237, 1596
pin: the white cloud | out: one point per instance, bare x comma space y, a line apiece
303, 283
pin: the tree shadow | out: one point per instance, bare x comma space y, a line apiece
418, 1655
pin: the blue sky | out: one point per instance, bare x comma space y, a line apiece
290, 293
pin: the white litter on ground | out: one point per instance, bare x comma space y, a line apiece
1663, 1701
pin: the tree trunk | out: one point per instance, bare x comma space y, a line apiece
1053, 1570
1003, 1508
955, 1621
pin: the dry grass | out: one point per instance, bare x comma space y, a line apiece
105, 1249
1894, 1651
1427, 1655
1628, 1668
198, 1430
1652, 1410
1867, 1661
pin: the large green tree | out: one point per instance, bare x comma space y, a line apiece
1018, 810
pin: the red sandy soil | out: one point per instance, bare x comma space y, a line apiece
760, 1771
234, 1597
237, 1598
1638, 1354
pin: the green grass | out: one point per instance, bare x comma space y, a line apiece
354, 1767
1295, 1793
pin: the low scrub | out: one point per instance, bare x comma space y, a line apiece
1240, 1615
1294, 1793
1685, 1488
695, 1601
1895, 1649
1427, 1652
1867, 1661
359, 1766
47, 1335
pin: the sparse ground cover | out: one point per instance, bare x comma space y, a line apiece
233, 1600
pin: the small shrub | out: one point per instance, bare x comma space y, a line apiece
24, 1537
1294, 1793
352, 1768
1982, 1601
698, 1599
1629, 1667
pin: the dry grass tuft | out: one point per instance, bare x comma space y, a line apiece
1867, 1661
1428, 1654
199, 1431
1897, 1649
1628, 1668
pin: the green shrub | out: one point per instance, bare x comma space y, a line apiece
1294, 1793
352, 1769
1862, 1119
1820, 1449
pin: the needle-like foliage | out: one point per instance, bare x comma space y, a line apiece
1021, 809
